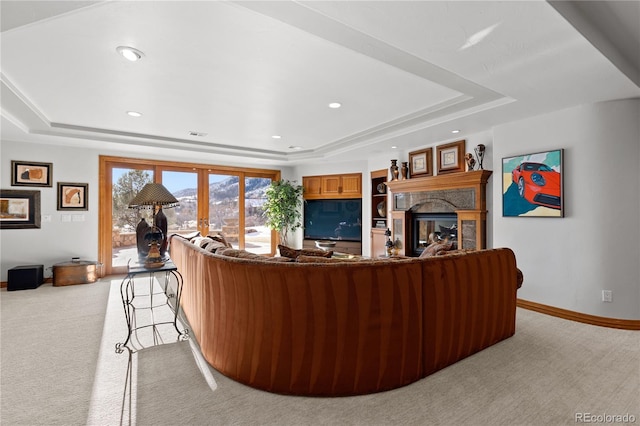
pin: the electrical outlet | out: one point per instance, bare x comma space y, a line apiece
607, 296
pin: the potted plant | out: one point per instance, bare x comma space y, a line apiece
283, 208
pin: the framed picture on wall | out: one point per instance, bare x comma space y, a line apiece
532, 185
451, 157
27, 173
73, 196
19, 209
421, 163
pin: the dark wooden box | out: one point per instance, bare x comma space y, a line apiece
25, 277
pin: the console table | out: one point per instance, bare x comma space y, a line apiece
154, 295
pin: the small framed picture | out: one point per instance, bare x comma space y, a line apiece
27, 173
73, 196
451, 157
19, 209
421, 163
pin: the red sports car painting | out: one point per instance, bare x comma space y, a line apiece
538, 184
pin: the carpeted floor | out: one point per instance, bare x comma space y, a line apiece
549, 372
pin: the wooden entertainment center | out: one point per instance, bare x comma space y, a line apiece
334, 187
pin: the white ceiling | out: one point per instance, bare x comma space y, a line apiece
240, 72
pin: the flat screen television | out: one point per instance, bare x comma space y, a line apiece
333, 219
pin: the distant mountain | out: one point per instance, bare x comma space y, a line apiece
227, 190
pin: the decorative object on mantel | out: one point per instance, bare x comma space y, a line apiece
471, 162
389, 243
480, 154
532, 185
405, 170
451, 157
421, 163
394, 170
153, 196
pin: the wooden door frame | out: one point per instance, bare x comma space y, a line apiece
105, 204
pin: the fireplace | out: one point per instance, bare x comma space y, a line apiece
451, 205
428, 228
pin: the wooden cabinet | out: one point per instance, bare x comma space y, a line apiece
332, 186
379, 207
378, 242
312, 186
379, 211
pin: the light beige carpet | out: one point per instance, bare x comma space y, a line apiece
548, 373
53, 373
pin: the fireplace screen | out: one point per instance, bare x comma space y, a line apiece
432, 227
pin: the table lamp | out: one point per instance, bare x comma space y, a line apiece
153, 196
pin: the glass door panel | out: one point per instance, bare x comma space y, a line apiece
224, 215
257, 234
125, 184
182, 219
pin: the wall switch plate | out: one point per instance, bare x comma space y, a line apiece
607, 296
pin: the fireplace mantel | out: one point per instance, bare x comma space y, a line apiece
471, 213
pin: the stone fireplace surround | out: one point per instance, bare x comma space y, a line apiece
461, 193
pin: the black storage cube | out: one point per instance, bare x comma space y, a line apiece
25, 277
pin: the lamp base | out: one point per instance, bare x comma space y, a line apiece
154, 259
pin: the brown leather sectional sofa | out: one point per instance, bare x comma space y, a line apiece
344, 328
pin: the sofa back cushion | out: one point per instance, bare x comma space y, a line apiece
469, 303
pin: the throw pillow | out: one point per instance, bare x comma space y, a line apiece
214, 245
437, 248
242, 254
316, 252
203, 242
288, 251
219, 237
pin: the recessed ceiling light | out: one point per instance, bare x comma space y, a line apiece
134, 113
296, 147
455, 131
130, 53
276, 137
335, 105
394, 147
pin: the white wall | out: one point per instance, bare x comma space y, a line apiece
55, 241
567, 262
58, 241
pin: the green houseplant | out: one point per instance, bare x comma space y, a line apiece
283, 208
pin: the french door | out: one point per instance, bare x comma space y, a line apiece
211, 199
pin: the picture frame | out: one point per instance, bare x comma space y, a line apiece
19, 209
73, 196
29, 173
421, 163
451, 157
532, 185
